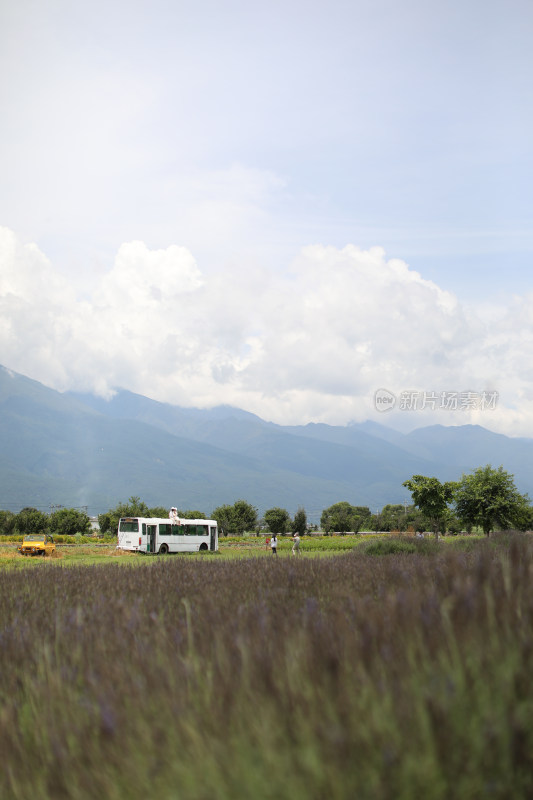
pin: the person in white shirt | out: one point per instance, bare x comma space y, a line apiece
296, 544
274, 544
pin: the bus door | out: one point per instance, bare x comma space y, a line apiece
150, 544
212, 538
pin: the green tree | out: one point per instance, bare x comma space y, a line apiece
489, 498
393, 517
7, 523
224, 518
135, 507
524, 520
236, 519
277, 519
299, 523
30, 520
343, 517
69, 521
191, 514
158, 511
245, 517
431, 497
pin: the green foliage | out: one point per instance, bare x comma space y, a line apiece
235, 519
278, 520
432, 498
245, 516
389, 546
30, 520
397, 517
224, 518
385, 547
299, 523
69, 521
159, 511
7, 523
489, 498
343, 517
190, 514
135, 507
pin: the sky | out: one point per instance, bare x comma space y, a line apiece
314, 211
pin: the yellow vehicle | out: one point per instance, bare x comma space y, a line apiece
37, 544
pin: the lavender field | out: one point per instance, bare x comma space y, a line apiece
353, 676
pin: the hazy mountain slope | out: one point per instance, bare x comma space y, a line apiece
80, 450
56, 450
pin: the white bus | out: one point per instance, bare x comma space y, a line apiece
153, 535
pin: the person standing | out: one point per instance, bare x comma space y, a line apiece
274, 544
296, 544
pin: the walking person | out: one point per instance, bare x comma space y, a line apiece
274, 544
296, 544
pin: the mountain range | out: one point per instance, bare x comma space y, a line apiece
79, 450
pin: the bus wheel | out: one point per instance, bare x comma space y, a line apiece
203, 546
163, 550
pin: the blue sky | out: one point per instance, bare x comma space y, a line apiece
219, 158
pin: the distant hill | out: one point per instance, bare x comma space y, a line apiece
80, 450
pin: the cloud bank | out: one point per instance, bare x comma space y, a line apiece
311, 344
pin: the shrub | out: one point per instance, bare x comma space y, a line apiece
385, 547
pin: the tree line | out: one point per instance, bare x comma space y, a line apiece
486, 498
64, 522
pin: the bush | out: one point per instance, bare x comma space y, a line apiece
389, 546
385, 547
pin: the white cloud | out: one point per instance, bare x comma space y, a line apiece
312, 344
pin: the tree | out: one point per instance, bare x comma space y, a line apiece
135, 507
29, 520
393, 517
224, 518
245, 516
236, 519
277, 519
299, 523
343, 517
68, 521
431, 497
158, 511
191, 514
489, 498
525, 519
7, 522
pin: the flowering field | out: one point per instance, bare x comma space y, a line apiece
353, 676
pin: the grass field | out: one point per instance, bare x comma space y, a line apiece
386, 677
238, 547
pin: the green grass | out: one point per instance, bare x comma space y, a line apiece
238, 548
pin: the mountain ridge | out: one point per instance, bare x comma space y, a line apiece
79, 450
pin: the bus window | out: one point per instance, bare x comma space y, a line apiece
129, 525
165, 529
